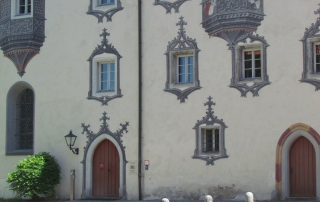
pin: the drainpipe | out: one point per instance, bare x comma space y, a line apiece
140, 102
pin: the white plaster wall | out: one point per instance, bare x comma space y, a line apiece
60, 78
255, 124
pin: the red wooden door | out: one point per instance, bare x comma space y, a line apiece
302, 169
106, 180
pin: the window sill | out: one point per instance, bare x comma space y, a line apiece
20, 152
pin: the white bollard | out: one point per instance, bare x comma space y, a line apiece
249, 197
208, 198
164, 200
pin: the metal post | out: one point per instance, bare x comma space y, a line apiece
72, 180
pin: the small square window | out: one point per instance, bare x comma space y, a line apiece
24, 7
107, 2
107, 77
210, 140
185, 69
251, 64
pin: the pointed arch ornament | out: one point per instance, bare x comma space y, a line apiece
169, 6
93, 140
210, 120
104, 47
282, 162
181, 44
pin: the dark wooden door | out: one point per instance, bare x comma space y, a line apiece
302, 169
106, 178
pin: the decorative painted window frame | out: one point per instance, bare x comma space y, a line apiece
169, 6
15, 11
310, 38
93, 140
237, 80
104, 52
181, 45
101, 11
210, 121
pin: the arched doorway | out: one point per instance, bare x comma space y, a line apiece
106, 170
298, 162
302, 165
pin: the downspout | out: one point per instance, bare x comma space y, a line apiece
140, 103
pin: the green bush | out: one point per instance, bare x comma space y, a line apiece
38, 174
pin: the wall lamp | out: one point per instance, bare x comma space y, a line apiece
70, 140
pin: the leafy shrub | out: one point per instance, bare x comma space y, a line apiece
38, 174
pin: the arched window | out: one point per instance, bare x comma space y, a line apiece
24, 120
20, 119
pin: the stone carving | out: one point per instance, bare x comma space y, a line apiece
108, 13
231, 5
310, 36
38, 6
210, 120
38, 25
169, 6
179, 44
4, 29
21, 58
21, 26
104, 129
5, 9
100, 49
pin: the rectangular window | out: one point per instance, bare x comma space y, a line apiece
107, 76
24, 7
251, 64
210, 140
317, 58
107, 2
185, 69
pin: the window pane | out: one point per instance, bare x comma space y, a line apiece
216, 140
182, 78
112, 66
257, 54
190, 60
257, 73
209, 140
248, 74
248, 64
111, 86
104, 1
248, 55
318, 68
257, 64
182, 60
190, 73
317, 49
111, 1
104, 67
111, 76
318, 58
104, 85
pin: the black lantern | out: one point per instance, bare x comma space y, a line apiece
70, 140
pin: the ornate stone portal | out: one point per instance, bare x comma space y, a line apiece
21, 35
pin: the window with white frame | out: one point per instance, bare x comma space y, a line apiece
24, 7
210, 140
107, 76
106, 2
104, 75
251, 64
184, 71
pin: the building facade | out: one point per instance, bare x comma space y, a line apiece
176, 98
